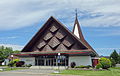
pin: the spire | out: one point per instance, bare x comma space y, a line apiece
78, 32
76, 13
76, 29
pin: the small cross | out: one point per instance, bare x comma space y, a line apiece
76, 12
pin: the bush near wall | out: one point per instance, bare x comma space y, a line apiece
73, 64
20, 63
104, 63
82, 66
13, 62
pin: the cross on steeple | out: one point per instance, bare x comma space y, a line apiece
76, 12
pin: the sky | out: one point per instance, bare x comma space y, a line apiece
99, 20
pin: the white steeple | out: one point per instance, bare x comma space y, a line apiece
76, 29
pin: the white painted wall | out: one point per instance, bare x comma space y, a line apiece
28, 60
76, 32
80, 60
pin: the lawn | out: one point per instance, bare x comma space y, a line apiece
111, 72
14, 68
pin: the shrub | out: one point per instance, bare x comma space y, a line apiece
88, 66
13, 62
105, 63
73, 64
29, 65
20, 63
82, 66
98, 66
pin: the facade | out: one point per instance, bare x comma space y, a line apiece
55, 45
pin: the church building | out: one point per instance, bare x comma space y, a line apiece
56, 45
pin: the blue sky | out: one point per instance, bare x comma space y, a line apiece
99, 20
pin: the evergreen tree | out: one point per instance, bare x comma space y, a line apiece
115, 56
119, 59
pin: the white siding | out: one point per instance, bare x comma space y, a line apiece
28, 60
76, 32
80, 60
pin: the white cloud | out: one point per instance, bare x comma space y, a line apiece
10, 37
20, 13
15, 47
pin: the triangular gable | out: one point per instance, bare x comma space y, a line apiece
54, 36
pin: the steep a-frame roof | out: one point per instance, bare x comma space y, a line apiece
78, 32
54, 37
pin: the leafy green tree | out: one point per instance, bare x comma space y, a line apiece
114, 56
16, 51
104, 63
5, 52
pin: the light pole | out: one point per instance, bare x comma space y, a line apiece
58, 61
12, 60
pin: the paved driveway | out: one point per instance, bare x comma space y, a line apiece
19, 74
36, 71
28, 74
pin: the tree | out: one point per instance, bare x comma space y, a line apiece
119, 59
104, 63
5, 52
113, 63
16, 51
114, 56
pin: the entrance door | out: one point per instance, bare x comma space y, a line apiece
48, 62
94, 62
51, 61
39, 61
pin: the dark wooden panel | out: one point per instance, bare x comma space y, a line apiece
61, 47
48, 36
54, 42
47, 48
41, 44
60, 34
54, 28
68, 42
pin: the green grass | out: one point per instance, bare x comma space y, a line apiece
111, 72
9, 69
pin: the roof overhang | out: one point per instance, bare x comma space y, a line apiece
65, 52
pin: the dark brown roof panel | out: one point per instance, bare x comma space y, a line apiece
54, 36
53, 42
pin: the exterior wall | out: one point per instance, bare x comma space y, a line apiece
117, 65
28, 60
80, 60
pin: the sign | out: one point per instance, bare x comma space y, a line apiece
58, 60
